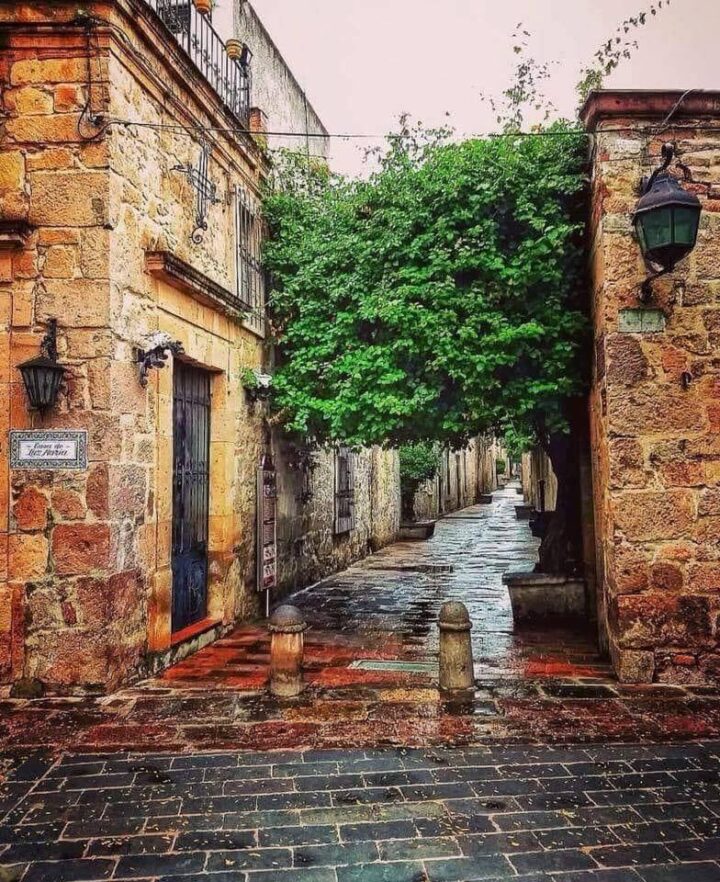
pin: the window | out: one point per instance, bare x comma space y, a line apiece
250, 276
344, 490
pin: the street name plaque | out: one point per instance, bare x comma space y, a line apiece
266, 528
59, 449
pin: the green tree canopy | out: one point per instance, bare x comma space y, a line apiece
440, 298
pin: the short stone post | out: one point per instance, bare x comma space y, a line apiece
286, 651
457, 676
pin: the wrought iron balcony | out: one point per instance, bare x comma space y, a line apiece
229, 77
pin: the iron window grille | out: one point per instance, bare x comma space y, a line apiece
230, 78
344, 490
250, 275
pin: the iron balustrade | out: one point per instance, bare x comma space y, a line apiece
230, 78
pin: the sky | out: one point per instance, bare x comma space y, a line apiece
364, 62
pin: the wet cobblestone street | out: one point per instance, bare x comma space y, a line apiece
633, 813
553, 772
534, 685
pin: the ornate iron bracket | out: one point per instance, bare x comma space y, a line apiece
161, 345
205, 189
48, 344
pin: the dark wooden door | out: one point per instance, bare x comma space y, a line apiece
191, 467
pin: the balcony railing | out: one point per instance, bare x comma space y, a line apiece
230, 78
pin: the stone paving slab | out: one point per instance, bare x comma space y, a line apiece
525, 813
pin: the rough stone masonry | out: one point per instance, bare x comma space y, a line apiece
656, 442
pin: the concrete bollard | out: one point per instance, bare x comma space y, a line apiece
457, 677
286, 651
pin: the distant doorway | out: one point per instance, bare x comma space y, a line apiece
191, 467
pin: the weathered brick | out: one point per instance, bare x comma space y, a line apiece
69, 198
650, 515
12, 170
27, 555
28, 100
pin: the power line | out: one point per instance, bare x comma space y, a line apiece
548, 133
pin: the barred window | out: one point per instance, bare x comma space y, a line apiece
250, 276
344, 490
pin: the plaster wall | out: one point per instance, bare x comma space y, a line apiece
276, 89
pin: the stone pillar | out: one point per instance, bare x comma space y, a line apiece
655, 442
286, 651
456, 669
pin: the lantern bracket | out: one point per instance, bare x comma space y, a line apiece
156, 355
646, 290
667, 151
48, 344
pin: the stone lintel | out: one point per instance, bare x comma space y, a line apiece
650, 104
176, 272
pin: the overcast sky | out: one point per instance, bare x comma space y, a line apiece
363, 62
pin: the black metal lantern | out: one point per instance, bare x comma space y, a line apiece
42, 375
667, 217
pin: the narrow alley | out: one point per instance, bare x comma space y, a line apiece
370, 669
368, 776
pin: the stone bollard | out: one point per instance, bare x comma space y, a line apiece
286, 651
457, 677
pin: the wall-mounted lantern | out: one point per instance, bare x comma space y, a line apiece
666, 220
42, 375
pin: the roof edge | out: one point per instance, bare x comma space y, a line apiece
602, 104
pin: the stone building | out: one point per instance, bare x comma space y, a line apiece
129, 189
539, 483
655, 398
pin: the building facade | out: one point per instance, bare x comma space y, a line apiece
131, 165
462, 477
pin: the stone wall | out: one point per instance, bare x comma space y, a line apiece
536, 467
655, 448
88, 567
307, 545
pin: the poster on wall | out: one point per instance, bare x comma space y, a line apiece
267, 526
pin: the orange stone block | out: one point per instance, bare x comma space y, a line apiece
80, 548
27, 556
30, 510
68, 504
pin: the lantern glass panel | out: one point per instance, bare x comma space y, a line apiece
42, 380
657, 228
685, 226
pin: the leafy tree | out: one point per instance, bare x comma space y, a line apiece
443, 296
437, 300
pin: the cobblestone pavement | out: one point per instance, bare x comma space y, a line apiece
535, 685
614, 813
